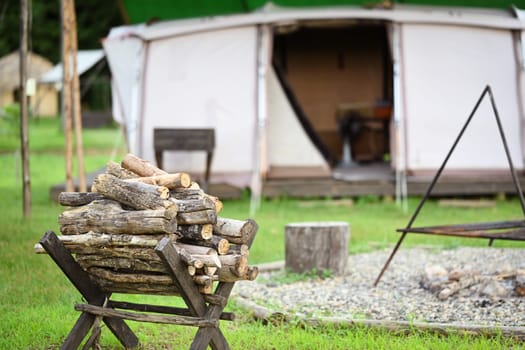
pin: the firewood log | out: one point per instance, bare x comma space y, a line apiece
116, 170
221, 245
116, 263
140, 166
136, 195
194, 204
75, 243
176, 180
195, 232
227, 275
108, 216
236, 231
77, 199
207, 216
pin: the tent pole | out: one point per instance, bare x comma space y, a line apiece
263, 37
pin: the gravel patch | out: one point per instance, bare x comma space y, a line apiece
400, 295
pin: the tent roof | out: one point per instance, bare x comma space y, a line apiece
271, 14
85, 60
10, 69
140, 11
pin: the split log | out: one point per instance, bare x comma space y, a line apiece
195, 232
221, 245
140, 166
77, 199
207, 216
108, 216
136, 195
176, 180
236, 231
116, 170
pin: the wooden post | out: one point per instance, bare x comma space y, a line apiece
77, 112
24, 138
66, 91
317, 245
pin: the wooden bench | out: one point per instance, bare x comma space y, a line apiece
185, 140
203, 310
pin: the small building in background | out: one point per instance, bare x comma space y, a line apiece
43, 98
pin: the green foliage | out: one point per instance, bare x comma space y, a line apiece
94, 20
10, 123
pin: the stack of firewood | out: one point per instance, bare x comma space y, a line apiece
114, 229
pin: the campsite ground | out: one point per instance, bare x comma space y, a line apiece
37, 301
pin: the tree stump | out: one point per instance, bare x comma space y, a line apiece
317, 245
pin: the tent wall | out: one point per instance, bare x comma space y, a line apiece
203, 80
445, 70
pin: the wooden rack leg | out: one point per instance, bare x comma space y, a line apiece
193, 299
90, 291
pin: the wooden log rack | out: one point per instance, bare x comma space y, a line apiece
503, 230
202, 311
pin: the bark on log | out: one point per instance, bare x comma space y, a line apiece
75, 243
317, 245
189, 259
207, 216
123, 264
108, 216
236, 231
136, 195
236, 264
239, 249
194, 204
195, 232
140, 166
77, 199
195, 249
187, 194
171, 181
131, 278
116, 170
227, 275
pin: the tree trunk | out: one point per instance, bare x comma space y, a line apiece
317, 245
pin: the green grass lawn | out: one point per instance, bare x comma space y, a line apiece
36, 300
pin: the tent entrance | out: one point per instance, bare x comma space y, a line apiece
338, 78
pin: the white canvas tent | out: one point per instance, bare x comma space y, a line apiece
217, 72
